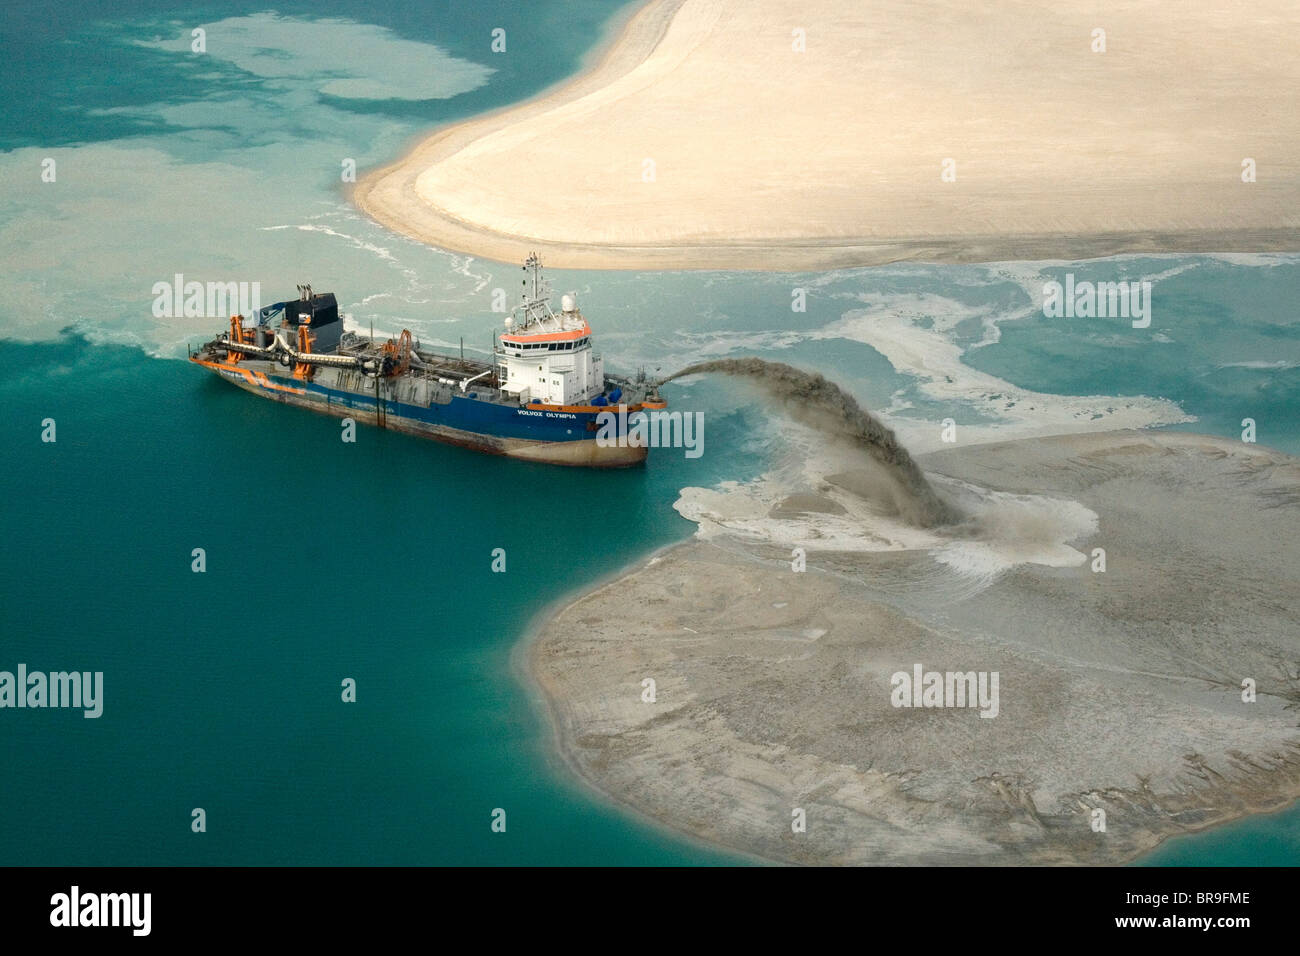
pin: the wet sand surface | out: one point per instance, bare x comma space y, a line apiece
1119, 691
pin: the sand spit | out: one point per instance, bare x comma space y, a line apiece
1119, 691
706, 139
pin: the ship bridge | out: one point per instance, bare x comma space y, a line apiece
546, 356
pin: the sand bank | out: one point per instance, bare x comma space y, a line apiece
1119, 691
769, 158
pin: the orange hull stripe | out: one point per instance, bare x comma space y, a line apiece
253, 378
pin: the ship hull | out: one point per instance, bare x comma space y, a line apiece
545, 435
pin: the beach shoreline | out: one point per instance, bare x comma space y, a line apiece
548, 705
506, 183
384, 194
689, 771
549, 702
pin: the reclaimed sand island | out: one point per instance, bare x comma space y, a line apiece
1119, 691
769, 158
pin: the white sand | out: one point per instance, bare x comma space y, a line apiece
769, 158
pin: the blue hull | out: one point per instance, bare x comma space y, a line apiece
536, 434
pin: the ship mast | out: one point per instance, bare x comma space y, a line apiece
537, 306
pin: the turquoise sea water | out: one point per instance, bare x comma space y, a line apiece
372, 560
223, 688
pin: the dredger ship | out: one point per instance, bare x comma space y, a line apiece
540, 398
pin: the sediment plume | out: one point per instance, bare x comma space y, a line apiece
819, 402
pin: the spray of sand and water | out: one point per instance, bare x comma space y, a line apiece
819, 402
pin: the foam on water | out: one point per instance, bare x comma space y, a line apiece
892, 326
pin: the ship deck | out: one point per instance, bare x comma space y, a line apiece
425, 363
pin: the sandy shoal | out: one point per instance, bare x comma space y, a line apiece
768, 158
1121, 691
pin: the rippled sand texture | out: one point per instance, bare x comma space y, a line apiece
1119, 691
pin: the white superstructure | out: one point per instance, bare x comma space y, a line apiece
545, 356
